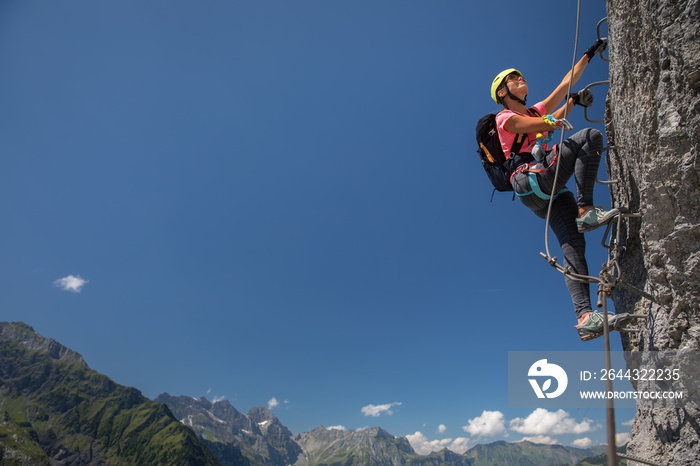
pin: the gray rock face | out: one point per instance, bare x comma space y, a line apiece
257, 437
653, 117
370, 446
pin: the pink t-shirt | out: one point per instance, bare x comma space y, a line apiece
507, 139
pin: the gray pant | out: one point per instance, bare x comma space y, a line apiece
579, 156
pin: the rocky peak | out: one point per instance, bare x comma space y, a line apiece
204, 403
225, 410
260, 414
25, 335
257, 435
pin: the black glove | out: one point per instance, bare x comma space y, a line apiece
598, 47
584, 97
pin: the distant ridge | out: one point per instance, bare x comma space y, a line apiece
529, 454
373, 445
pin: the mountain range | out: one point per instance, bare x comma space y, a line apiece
54, 409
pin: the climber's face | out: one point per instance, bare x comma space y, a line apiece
516, 84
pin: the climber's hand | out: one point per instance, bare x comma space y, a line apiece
598, 47
584, 97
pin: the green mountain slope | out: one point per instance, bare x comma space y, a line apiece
602, 459
54, 408
527, 454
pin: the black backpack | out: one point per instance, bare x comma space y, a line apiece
492, 157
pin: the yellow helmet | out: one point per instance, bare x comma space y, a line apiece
498, 80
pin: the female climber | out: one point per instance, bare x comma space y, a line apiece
533, 171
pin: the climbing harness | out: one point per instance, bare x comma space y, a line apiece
532, 179
610, 275
536, 190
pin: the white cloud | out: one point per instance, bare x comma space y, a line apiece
376, 410
489, 424
337, 428
459, 445
218, 398
622, 438
584, 442
442, 428
628, 423
71, 283
541, 439
273, 403
423, 446
543, 422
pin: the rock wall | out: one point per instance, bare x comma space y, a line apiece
653, 118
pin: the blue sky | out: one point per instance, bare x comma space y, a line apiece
281, 200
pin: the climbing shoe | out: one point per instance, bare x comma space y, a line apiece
592, 327
595, 217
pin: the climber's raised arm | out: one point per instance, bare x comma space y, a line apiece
559, 93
